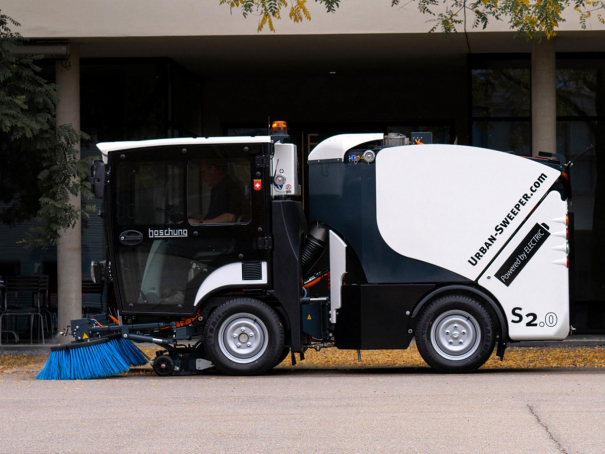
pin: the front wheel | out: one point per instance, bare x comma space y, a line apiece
244, 336
455, 334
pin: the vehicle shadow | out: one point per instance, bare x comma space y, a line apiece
291, 371
363, 371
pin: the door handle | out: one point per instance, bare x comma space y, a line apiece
131, 238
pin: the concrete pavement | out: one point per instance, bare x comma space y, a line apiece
309, 411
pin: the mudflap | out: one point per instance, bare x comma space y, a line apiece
501, 349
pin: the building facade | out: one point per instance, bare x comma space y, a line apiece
147, 69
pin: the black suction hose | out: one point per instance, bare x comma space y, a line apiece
313, 247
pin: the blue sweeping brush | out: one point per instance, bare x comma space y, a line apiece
98, 358
131, 353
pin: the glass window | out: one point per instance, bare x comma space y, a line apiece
441, 133
125, 100
160, 275
511, 136
501, 104
573, 137
150, 193
577, 91
185, 96
258, 131
501, 92
580, 86
219, 191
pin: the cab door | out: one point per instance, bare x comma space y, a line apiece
182, 214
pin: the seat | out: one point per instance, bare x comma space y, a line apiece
45, 306
14, 333
23, 297
90, 288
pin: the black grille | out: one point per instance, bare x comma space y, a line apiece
252, 271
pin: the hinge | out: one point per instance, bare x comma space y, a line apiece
265, 242
262, 161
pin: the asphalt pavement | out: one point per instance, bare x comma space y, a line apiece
309, 411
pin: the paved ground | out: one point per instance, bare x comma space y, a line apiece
309, 411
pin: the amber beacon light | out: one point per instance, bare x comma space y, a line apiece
279, 126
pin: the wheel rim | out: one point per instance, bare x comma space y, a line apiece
455, 335
243, 338
163, 366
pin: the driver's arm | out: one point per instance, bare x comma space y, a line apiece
195, 219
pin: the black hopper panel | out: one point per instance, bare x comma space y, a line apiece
348, 318
375, 316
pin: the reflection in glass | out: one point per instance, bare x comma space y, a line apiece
573, 138
510, 136
577, 91
159, 275
261, 131
150, 193
581, 95
501, 92
441, 133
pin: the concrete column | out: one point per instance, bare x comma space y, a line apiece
543, 97
69, 248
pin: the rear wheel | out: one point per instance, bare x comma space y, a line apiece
244, 336
455, 334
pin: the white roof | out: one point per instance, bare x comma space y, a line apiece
107, 147
335, 147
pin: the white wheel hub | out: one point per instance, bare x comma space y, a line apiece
243, 338
455, 335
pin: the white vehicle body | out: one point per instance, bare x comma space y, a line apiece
486, 215
462, 220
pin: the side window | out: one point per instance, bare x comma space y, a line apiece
219, 191
150, 193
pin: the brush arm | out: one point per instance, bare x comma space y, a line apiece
139, 338
126, 328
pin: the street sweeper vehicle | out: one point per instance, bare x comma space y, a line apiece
211, 256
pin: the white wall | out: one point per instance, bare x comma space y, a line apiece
143, 18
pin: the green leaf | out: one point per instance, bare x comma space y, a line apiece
35, 149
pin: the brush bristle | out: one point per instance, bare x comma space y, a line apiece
85, 361
131, 353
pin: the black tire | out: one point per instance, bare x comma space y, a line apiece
445, 325
163, 366
244, 336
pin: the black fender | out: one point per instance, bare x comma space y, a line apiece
484, 296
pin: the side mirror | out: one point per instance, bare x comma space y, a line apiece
97, 178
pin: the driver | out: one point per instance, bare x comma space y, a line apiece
225, 196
